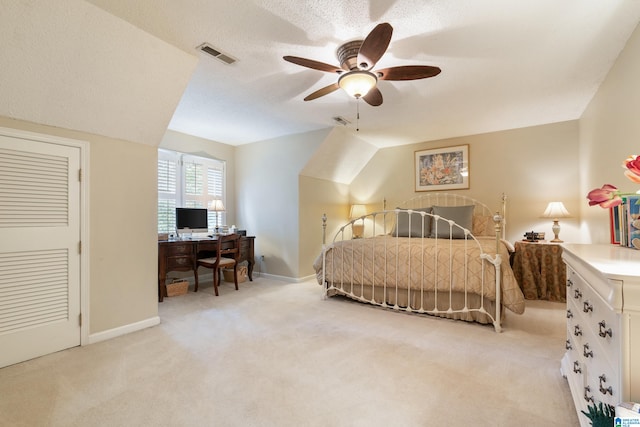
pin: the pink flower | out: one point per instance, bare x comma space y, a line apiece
632, 164
606, 197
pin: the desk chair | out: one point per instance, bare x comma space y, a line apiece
227, 254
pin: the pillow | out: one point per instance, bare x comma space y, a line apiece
401, 229
483, 225
461, 215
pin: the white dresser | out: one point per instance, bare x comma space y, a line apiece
602, 362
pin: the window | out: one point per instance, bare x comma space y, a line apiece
189, 182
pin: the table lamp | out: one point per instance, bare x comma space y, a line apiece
357, 211
216, 206
556, 210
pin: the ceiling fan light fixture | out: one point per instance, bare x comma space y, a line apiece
357, 59
357, 83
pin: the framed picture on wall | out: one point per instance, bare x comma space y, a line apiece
444, 168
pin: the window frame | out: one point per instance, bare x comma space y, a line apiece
177, 188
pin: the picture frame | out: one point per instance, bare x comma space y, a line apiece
445, 168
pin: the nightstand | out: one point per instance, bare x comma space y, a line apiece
540, 271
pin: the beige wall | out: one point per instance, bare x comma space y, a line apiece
532, 166
267, 189
319, 197
123, 227
609, 133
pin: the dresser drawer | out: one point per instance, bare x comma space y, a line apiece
575, 370
602, 380
596, 319
575, 327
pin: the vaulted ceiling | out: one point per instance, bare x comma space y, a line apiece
505, 64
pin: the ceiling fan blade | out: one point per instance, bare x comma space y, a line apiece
310, 63
374, 46
374, 97
408, 72
322, 92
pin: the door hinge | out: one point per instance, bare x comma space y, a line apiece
80, 319
80, 175
80, 247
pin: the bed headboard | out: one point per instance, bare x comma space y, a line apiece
451, 199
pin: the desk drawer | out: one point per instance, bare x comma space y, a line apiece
179, 262
246, 249
179, 249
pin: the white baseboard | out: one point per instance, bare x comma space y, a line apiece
285, 278
123, 330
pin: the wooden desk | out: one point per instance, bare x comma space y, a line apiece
181, 255
540, 271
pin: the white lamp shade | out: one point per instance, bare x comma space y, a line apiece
357, 83
357, 211
216, 205
556, 210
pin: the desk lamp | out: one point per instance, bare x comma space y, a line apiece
216, 206
556, 210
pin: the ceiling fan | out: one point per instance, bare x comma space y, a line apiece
357, 58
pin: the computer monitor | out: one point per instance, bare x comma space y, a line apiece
191, 220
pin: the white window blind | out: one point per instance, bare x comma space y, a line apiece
190, 182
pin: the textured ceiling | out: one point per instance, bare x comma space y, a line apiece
69, 64
505, 64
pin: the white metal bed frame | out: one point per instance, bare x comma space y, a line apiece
381, 223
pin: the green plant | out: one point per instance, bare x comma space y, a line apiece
601, 415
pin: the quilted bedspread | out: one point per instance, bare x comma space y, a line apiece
422, 263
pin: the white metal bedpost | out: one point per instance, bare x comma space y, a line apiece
324, 255
498, 221
324, 229
504, 216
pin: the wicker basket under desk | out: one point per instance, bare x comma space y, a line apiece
177, 287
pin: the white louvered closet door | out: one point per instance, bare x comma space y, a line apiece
39, 248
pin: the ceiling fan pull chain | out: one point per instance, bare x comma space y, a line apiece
358, 114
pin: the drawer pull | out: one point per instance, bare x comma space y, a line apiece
569, 314
567, 345
603, 390
577, 294
587, 307
604, 332
577, 331
586, 352
588, 398
576, 368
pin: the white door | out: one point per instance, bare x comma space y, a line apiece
39, 247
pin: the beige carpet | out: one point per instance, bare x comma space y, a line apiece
277, 354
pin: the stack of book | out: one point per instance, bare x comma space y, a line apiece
625, 222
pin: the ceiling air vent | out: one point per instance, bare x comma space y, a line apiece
341, 120
207, 48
